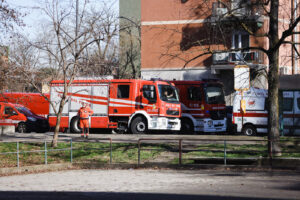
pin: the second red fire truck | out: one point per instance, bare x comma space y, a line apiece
134, 105
203, 106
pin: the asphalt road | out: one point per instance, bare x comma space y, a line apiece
151, 184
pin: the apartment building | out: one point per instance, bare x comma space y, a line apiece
184, 40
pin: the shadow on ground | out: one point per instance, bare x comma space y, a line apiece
112, 196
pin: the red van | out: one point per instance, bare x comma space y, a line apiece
23, 119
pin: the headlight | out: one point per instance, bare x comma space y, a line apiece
31, 119
210, 123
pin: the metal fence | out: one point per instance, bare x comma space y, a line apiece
181, 147
46, 150
182, 150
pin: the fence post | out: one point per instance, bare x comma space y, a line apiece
46, 159
18, 159
225, 161
180, 151
110, 158
71, 151
270, 149
139, 152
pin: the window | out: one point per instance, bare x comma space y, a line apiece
214, 95
287, 104
240, 40
266, 104
149, 92
298, 103
8, 111
194, 93
168, 93
123, 91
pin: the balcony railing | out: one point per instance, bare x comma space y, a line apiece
241, 9
253, 57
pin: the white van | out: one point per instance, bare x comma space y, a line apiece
255, 119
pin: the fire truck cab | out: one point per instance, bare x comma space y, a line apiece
203, 106
121, 104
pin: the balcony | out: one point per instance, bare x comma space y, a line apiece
229, 58
235, 11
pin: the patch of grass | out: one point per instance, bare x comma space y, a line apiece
85, 152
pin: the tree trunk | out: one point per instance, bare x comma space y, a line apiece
273, 118
273, 83
56, 131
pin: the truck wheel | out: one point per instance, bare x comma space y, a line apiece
249, 130
187, 127
138, 126
22, 127
74, 125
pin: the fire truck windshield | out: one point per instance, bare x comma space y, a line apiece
214, 95
168, 93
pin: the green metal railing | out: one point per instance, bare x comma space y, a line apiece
46, 150
181, 147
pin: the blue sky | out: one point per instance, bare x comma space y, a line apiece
34, 18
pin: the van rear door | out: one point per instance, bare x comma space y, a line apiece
297, 112
288, 111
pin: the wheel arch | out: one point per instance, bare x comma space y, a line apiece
188, 117
249, 124
75, 117
137, 114
17, 126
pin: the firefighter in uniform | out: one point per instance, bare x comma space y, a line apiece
84, 112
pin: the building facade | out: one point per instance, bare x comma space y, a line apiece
194, 40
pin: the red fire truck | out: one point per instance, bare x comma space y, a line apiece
203, 106
128, 104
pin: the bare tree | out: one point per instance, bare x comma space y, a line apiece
9, 18
61, 48
101, 57
62, 53
214, 37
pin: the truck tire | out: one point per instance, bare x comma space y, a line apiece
74, 125
138, 126
249, 130
22, 128
187, 126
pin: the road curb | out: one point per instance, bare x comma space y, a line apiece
155, 166
35, 169
284, 163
